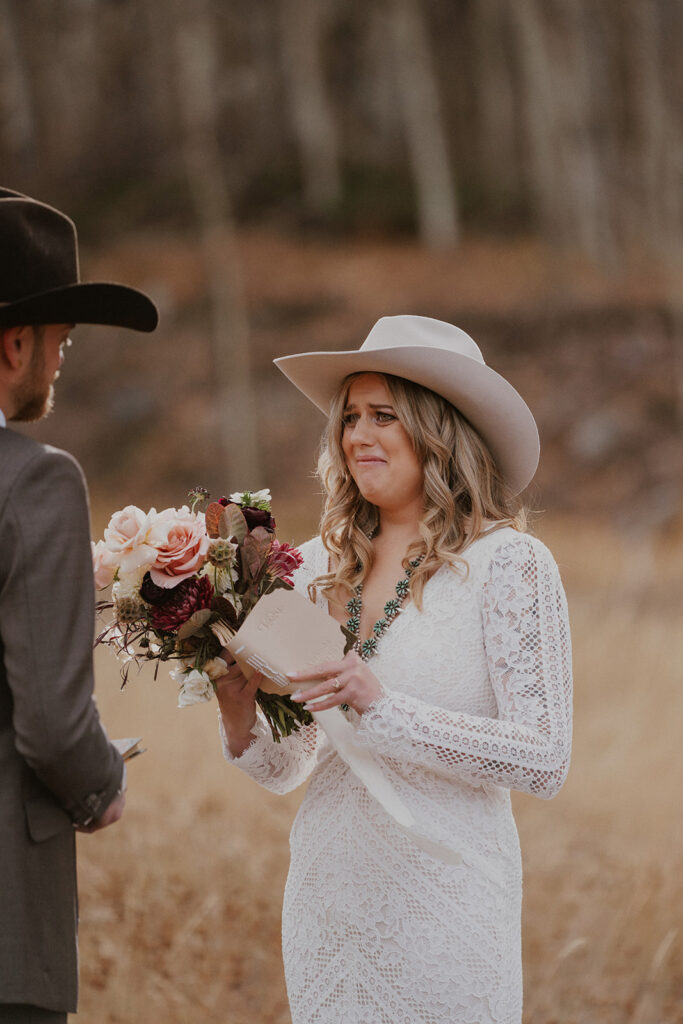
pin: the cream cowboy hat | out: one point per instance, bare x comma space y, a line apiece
443, 358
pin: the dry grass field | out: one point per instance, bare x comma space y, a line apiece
180, 903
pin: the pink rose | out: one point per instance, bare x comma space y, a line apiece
133, 537
103, 564
183, 550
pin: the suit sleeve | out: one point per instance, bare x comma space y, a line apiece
47, 625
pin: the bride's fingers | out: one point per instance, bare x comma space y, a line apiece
234, 681
254, 682
314, 672
333, 685
332, 701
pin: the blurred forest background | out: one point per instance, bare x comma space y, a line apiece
278, 174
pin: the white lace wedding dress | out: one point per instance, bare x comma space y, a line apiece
477, 702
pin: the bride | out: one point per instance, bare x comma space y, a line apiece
460, 686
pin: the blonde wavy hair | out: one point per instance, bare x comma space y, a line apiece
462, 490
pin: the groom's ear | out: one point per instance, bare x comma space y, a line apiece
15, 346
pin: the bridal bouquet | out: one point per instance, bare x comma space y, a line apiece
183, 582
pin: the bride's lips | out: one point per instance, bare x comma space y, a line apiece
369, 460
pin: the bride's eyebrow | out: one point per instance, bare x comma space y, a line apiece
371, 405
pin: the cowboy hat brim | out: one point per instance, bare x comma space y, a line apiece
493, 407
114, 305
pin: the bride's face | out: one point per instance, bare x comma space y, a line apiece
378, 451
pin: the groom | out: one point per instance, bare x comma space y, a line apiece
58, 771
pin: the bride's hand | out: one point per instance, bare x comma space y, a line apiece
237, 700
348, 681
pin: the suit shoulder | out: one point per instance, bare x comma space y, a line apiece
29, 466
20, 449
17, 448
62, 461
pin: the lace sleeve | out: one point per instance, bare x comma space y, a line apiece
279, 767
526, 636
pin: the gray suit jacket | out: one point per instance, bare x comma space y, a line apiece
57, 766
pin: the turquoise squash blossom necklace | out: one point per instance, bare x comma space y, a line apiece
366, 648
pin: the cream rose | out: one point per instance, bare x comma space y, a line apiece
133, 536
215, 668
104, 564
195, 687
127, 586
182, 552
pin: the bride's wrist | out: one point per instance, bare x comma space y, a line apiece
239, 734
374, 701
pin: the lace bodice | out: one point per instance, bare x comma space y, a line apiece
517, 733
476, 701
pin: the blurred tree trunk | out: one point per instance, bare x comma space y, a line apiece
158, 72
567, 176
437, 212
587, 181
657, 139
496, 108
198, 90
17, 119
302, 27
538, 88
378, 89
68, 74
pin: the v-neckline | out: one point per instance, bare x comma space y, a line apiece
408, 602
493, 528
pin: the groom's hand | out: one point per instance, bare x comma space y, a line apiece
110, 816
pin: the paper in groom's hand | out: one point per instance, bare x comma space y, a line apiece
129, 748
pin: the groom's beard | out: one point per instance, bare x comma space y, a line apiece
34, 396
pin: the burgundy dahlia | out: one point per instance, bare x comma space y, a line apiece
153, 594
187, 598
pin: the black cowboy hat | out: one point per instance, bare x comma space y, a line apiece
39, 277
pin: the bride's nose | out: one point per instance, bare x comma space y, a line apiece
363, 430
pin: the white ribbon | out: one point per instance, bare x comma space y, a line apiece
340, 733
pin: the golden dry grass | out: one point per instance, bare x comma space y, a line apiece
180, 903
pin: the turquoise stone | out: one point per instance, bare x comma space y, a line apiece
391, 609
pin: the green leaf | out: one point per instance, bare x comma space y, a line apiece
283, 715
